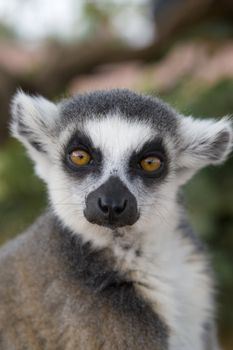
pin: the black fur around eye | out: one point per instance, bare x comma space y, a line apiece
91, 158
150, 163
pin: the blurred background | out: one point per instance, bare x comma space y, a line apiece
181, 50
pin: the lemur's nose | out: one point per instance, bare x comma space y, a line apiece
111, 205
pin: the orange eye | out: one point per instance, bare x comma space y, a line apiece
80, 157
150, 163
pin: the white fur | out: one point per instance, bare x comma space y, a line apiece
117, 136
36, 109
171, 277
38, 114
196, 131
198, 135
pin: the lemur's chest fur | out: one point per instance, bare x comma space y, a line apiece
99, 272
165, 285
175, 284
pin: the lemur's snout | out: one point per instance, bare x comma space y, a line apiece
111, 205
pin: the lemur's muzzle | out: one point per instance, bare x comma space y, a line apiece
111, 205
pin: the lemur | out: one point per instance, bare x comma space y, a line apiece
113, 262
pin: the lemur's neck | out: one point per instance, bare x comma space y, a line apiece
119, 256
132, 255
149, 240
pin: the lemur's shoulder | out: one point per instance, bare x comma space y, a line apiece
37, 232
21, 256
52, 280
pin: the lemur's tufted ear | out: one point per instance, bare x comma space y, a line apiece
202, 142
33, 118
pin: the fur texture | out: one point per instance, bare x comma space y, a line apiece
71, 284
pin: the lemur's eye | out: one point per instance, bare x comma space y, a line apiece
80, 157
150, 163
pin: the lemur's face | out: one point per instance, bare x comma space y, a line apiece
114, 170
113, 161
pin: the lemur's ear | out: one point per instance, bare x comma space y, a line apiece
202, 142
33, 118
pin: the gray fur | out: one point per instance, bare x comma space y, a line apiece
129, 104
48, 302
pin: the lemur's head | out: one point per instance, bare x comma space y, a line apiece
114, 160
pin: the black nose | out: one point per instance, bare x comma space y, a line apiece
112, 205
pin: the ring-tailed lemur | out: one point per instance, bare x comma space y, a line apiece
113, 263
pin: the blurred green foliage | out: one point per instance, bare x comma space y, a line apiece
22, 195
7, 32
209, 194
